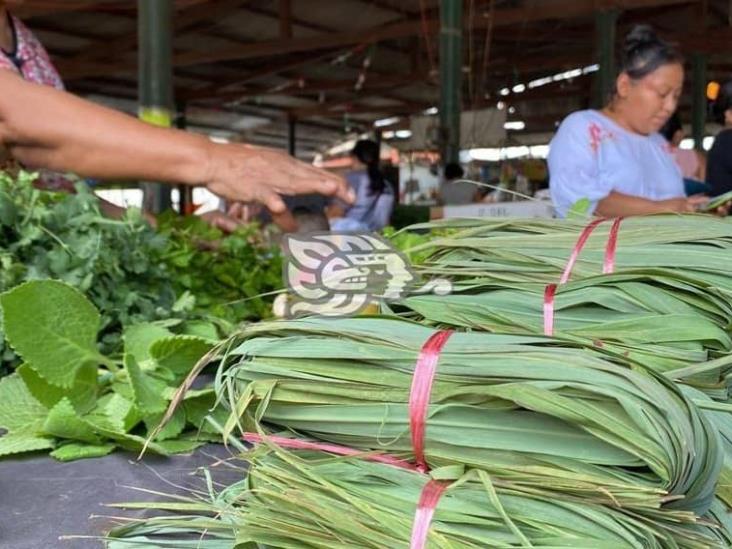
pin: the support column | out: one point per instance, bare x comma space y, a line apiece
292, 136
185, 192
698, 98
605, 24
155, 80
451, 60
285, 19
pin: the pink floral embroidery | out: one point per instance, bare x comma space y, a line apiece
597, 135
35, 64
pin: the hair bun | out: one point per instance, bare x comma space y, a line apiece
639, 36
644, 52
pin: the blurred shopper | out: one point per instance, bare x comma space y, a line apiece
453, 190
374, 193
719, 162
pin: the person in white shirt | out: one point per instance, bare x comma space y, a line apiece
615, 157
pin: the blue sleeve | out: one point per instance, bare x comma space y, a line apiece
573, 166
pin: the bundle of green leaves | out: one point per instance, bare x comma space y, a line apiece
69, 398
233, 277
670, 271
520, 407
132, 273
485, 253
119, 265
312, 499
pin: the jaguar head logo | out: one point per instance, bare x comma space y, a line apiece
341, 274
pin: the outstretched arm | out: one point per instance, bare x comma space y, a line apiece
44, 127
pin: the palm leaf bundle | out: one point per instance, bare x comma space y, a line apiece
308, 499
483, 252
630, 315
670, 271
519, 407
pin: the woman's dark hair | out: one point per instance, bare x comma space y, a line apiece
723, 102
367, 151
643, 52
453, 170
671, 126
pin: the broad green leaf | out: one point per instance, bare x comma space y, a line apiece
179, 446
63, 422
74, 450
21, 417
172, 429
198, 407
139, 337
53, 327
82, 393
203, 329
133, 443
19, 443
115, 412
147, 390
179, 354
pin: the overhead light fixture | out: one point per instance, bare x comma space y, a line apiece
504, 91
403, 134
514, 125
519, 88
386, 121
485, 154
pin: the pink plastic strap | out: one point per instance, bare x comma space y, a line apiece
331, 448
612, 243
549, 292
419, 395
428, 500
608, 266
581, 241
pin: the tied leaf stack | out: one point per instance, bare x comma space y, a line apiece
312, 499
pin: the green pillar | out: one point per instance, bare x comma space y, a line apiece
155, 80
698, 98
605, 23
451, 60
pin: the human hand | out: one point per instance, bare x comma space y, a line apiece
723, 210
221, 221
334, 210
687, 204
244, 212
246, 173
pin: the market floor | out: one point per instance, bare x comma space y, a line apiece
42, 499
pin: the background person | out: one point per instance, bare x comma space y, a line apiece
615, 156
719, 161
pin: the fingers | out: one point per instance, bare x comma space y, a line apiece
221, 221
285, 221
236, 210
274, 203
